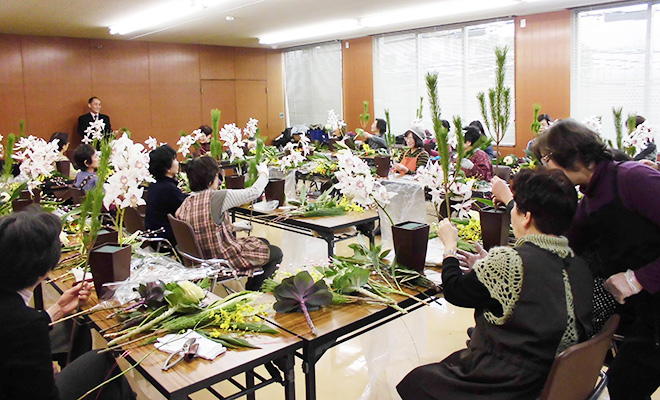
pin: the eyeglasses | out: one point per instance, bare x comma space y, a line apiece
545, 159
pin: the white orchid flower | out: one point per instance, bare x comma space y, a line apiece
151, 143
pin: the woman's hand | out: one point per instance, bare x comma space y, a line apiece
468, 259
263, 169
70, 300
501, 191
448, 234
622, 285
400, 168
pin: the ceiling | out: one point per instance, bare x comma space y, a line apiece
252, 18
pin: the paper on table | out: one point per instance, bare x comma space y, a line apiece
172, 343
265, 206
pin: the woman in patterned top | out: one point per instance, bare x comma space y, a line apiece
415, 156
479, 166
531, 301
206, 210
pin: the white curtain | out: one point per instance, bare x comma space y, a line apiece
313, 76
616, 63
464, 58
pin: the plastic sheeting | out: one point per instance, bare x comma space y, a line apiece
408, 205
147, 267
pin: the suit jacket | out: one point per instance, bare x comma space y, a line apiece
25, 358
85, 119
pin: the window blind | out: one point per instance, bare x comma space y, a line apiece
313, 83
464, 58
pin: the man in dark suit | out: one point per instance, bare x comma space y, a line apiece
94, 115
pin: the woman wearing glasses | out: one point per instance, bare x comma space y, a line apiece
617, 229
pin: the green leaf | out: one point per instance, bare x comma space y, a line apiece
299, 290
352, 279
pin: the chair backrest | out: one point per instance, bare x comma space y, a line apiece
185, 239
76, 194
575, 370
133, 221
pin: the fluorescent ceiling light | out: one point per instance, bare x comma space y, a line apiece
312, 31
157, 16
433, 11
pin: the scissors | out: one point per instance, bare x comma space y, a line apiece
188, 351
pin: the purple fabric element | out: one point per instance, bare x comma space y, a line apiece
639, 189
483, 167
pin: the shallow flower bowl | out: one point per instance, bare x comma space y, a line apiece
110, 262
494, 226
382, 165
275, 190
235, 182
63, 167
411, 240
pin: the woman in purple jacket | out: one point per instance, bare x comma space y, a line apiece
617, 228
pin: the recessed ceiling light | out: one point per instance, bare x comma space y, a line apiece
229, 18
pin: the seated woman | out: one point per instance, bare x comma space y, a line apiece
86, 159
62, 144
489, 150
531, 302
164, 196
204, 142
415, 156
206, 210
375, 139
30, 245
481, 166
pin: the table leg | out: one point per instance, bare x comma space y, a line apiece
309, 368
249, 383
331, 245
289, 378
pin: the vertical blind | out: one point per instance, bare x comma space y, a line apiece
313, 83
464, 58
616, 63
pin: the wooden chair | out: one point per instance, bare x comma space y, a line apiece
133, 221
189, 249
575, 371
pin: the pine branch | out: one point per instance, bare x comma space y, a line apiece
618, 125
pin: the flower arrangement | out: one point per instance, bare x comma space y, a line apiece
94, 132
510, 161
292, 159
334, 122
37, 158
638, 139
456, 189
499, 98
186, 141
594, 123
237, 140
151, 143
130, 162
356, 182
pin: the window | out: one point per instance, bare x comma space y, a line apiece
616, 63
464, 58
313, 83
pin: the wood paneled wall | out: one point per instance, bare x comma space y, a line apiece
543, 70
358, 80
153, 89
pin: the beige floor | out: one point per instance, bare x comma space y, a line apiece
366, 367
